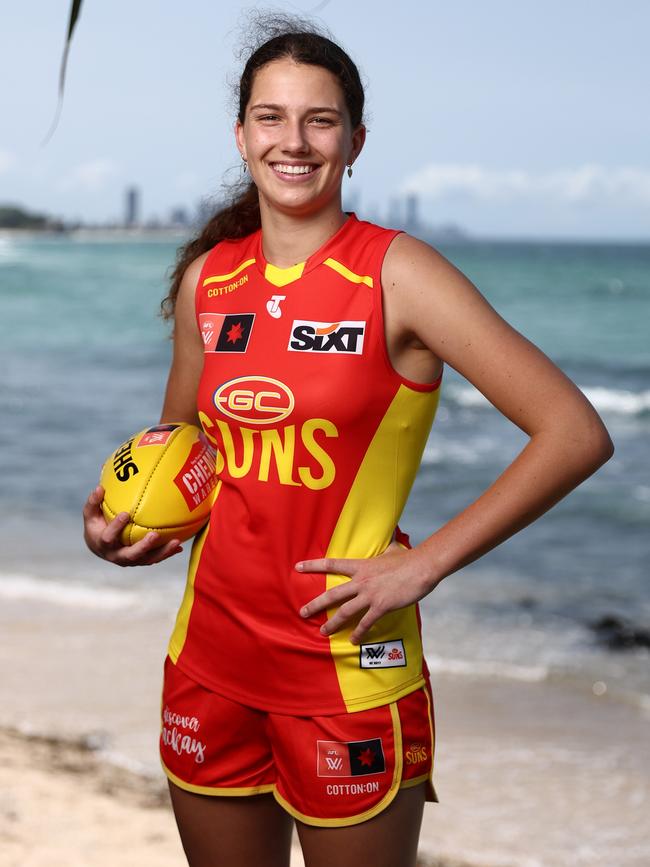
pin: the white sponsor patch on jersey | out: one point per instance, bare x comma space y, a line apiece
383, 654
345, 336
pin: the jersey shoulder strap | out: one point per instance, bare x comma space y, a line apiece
225, 268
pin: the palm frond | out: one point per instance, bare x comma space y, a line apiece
75, 9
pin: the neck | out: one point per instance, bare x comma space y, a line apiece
288, 239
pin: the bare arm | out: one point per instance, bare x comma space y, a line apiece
568, 441
187, 359
180, 405
434, 306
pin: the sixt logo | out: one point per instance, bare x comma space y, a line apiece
254, 399
327, 337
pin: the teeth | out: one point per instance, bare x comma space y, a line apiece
292, 170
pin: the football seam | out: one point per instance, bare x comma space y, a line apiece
152, 471
113, 513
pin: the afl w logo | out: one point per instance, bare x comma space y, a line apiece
226, 332
273, 305
328, 337
350, 758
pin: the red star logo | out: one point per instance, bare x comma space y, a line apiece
366, 757
235, 333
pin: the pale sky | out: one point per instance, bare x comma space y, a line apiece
511, 118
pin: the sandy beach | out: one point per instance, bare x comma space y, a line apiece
528, 774
100, 812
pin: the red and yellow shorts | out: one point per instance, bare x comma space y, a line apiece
324, 770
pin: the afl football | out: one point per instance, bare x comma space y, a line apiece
164, 477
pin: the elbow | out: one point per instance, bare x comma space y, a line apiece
584, 443
597, 445
603, 449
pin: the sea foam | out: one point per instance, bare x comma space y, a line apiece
58, 592
614, 400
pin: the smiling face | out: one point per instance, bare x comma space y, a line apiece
297, 137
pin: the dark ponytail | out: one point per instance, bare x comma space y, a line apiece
238, 218
241, 215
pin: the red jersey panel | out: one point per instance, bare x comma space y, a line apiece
318, 440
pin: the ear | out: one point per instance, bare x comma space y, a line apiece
239, 137
358, 141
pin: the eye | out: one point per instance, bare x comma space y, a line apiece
322, 121
268, 117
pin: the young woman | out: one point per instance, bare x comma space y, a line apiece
310, 347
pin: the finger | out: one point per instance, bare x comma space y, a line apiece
92, 506
362, 627
157, 555
338, 566
340, 618
329, 599
134, 555
113, 530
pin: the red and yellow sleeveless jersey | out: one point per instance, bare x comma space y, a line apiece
318, 440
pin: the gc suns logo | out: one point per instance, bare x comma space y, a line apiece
327, 337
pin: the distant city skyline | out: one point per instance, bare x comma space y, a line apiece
401, 212
506, 119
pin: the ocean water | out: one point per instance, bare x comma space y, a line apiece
84, 354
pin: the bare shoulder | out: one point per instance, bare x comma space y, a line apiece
414, 271
430, 299
185, 327
435, 301
407, 252
190, 279
187, 359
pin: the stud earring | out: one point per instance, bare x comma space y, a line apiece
350, 170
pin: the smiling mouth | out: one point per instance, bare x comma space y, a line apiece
288, 169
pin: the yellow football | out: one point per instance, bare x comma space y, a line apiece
164, 477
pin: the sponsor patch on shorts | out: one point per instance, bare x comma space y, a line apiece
383, 654
351, 758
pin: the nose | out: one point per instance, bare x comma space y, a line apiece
295, 140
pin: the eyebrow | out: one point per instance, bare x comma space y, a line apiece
275, 107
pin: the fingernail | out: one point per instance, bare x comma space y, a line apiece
323, 630
303, 612
124, 516
151, 536
299, 567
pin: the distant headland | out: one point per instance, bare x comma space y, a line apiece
15, 217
